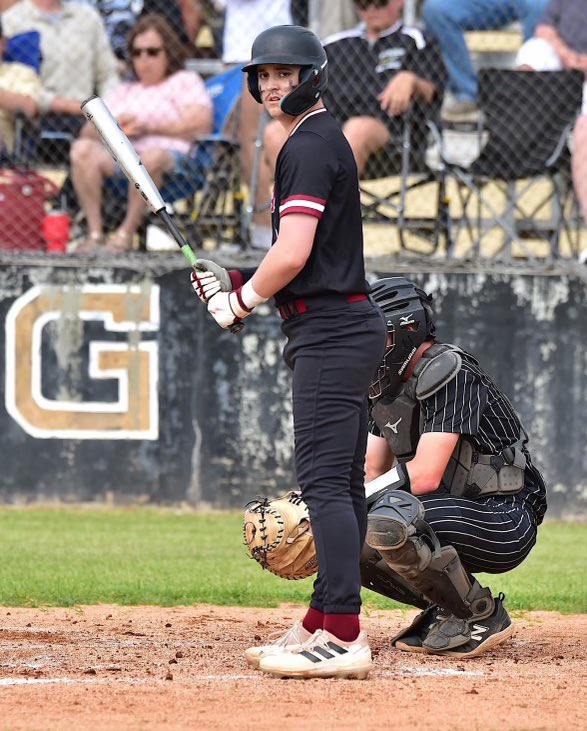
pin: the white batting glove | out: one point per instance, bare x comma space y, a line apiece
230, 307
209, 279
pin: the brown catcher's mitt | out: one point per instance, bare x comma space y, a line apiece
278, 535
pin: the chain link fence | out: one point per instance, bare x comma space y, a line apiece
467, 121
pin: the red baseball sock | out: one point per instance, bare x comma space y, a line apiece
313, 620
344, 626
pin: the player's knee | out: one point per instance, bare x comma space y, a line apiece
393, 519
156, 160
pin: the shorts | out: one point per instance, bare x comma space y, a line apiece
183, 165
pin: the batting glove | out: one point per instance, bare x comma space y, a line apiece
230, 307
209, 279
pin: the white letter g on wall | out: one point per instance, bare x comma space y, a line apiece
132, 364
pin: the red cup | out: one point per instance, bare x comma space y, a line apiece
56, 228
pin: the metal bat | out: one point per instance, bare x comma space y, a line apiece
130, 163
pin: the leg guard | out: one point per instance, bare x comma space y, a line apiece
378, 576
397, 530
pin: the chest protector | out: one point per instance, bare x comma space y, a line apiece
401, 421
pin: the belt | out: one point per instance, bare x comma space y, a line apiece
295, 307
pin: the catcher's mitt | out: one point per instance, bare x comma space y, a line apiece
278, 535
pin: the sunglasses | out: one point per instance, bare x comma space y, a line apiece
364, 4
150, 51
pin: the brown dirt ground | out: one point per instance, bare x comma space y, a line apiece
112, 667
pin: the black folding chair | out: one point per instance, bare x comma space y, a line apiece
518, 189
401, 196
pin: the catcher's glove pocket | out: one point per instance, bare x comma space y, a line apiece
278, 534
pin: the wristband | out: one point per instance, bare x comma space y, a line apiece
248, 298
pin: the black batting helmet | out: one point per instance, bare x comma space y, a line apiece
291, 45
408, 314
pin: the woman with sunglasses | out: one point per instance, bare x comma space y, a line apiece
162, 110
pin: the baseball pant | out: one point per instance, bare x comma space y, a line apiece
334, 354
493, 535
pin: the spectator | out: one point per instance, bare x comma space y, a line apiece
162, 111
77, 57
119, 16
244, 20
20, 85
560, 42
183, 16
448, 21
376, 71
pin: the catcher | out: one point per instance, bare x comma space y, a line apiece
463, 497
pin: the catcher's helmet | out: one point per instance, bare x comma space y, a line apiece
408, 314
291, 45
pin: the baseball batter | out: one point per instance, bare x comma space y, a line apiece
464, 496
335, 340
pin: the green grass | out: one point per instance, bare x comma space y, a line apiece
63, 557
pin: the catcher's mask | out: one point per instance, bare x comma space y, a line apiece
291, 45
408, 315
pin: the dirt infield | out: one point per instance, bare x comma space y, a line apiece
111, 667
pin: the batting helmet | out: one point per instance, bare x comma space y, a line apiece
291, 45
408, 314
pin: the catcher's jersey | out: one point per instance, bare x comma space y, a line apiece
471, 404
316, 175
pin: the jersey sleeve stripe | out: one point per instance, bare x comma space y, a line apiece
301, 209
300, 204
310, 198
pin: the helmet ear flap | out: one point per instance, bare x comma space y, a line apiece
305, 94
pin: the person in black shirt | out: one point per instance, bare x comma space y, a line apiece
380, 69
335, 339
464, 496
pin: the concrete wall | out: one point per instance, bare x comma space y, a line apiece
117, 385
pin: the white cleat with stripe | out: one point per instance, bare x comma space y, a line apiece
293, 639
322, 656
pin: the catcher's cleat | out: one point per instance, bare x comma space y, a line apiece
322, 656
293, 639
462, 638
410, 639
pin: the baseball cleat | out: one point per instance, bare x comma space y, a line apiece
293, 639
410, 639
462, 638
322, 656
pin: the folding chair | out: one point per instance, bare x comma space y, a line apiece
219, 206
391, 178
518, 188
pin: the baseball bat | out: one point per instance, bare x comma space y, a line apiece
121, 149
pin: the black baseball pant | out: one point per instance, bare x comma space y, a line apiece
334, 354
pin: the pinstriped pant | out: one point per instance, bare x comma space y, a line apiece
493, 535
